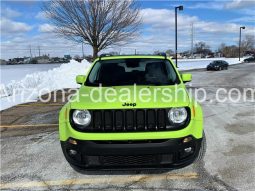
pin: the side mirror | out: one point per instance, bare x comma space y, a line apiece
186, 77
80, 79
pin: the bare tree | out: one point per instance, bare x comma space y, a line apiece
233, 51
228, 51
248, 44
202, 48
99, 23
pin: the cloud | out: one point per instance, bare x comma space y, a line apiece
247, 19
19, 46
159, 30
239, 4
9, 13
163, 20
248, 11
46, 28
157, 33
9, 26
206, 5
220, 5
41, 15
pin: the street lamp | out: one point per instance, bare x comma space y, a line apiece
240, 41
180, 9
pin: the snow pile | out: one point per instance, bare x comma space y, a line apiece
38, 83
18, 72
188, 64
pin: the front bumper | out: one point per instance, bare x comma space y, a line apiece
163, 153
211, 68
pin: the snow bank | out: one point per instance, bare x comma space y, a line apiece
188, 64
18, 72
32, 85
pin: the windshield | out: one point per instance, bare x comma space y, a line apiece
132, 71
214, 63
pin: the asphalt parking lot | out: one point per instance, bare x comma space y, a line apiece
31, 156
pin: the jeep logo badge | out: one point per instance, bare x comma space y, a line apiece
129, 104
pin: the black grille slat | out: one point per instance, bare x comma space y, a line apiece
119, 120
129, 120
161, 119
108, 120
97, 120
140, 119
151, 119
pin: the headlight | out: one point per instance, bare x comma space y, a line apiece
81, 117
177, 115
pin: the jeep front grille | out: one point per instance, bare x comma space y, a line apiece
136, 120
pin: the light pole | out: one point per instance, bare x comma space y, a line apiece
240, 41
176, 8
82, 49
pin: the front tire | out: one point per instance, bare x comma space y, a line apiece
202, 151
77, 168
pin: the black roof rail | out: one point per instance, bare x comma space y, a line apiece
158, 54
104, 55
162, 54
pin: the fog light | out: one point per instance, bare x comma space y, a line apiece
72, 152
72, 141
187, 139
188, 150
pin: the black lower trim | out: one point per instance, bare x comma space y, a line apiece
131, 154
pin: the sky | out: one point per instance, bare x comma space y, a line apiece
24, 26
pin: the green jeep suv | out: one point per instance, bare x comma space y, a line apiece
132, 112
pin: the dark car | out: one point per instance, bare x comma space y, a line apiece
250, 59
218, 65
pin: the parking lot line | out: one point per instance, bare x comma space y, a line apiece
28, 125
100, 180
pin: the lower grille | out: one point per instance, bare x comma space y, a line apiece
128, 160
132, 141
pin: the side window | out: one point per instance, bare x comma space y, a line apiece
95, 72
171, 73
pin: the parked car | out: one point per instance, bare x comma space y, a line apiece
250, 59
101, 134
218, 65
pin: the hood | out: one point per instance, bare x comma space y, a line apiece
123, 97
